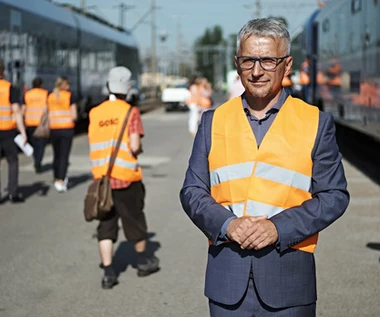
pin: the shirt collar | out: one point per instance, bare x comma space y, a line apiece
281, 100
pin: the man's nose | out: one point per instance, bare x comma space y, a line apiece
257, 69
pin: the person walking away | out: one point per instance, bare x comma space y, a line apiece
193, 107
236, 89
10, 121
264, 177
62, 116
34, 105
204, 96
128, 191
305, 78
287, 83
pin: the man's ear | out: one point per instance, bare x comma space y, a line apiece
237, 66
288, 66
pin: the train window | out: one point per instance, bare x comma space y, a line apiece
73, 61
356, 6
326, 25
30, 57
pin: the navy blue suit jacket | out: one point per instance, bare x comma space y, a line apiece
283, 276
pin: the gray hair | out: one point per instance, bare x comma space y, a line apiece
265, 27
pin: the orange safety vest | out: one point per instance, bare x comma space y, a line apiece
7, 120
286, 81
60, 116
203, 101
304, 77
270, 179
320, 78
193, 96
35, 102
106, 121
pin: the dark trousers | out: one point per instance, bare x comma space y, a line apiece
61, 140
38, 146
129, 206
10, 150
251, 306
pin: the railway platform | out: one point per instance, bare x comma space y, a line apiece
49, 264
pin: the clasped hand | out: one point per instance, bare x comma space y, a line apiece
252, 232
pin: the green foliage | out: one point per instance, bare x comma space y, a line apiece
208, 52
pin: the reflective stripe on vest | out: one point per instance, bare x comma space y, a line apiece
104, 145
263, 170
60, 116
7, 120
35, 102
106, 121
270, 179
118, 161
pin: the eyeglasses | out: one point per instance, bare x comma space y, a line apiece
266, 63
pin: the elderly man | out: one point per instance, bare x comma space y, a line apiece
264, 177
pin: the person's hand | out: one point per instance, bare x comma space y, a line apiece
237, 227
258, 236
25, 138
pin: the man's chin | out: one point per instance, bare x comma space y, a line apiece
258, 93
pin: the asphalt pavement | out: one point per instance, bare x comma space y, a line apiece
49, 264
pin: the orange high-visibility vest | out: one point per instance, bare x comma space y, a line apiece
320, 78
304, 77
286, 81
106, 121
35, 102
7, 120
204, 101
254, 181
60, 116
193, 96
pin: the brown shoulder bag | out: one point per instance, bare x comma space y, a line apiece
43, 130
98, 201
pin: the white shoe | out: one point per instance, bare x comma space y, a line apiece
60, 187
66, 182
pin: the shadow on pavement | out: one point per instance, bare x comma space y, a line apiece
373, 246
39, 188
125, 254
78, 179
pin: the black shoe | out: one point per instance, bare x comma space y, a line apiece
109, 281
17, 198
150, 267
37, 169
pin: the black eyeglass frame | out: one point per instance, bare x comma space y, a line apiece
279, 60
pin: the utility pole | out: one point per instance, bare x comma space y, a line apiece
258, 9
83, 4
257, 12
122, 10
179, 57
153, 26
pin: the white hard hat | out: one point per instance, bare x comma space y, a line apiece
118, 80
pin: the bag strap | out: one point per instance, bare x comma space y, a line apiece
114, 154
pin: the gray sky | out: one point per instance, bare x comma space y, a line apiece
195, 16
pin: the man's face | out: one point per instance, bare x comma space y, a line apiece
260, 83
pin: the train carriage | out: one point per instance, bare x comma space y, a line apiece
40, 38
343, 39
